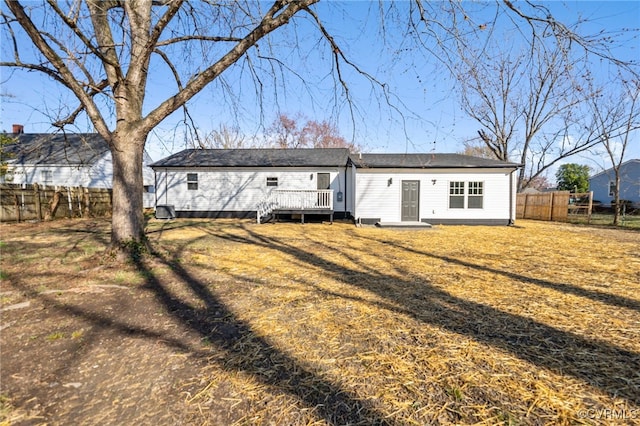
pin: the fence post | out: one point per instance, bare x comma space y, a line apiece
551, 207
16, 203
36, 199
87, 202
69, 202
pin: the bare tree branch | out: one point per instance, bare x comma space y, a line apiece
62, 71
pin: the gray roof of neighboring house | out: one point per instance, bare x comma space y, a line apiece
627, 163
427, 161
56, 149
303, 157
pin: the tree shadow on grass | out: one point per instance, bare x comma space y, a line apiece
596, 296
232, 342
602, 365
235, 339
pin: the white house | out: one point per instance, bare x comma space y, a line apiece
434, 188
603, 184
369, 188
65, 159
239, 182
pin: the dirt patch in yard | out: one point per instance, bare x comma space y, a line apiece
230, 322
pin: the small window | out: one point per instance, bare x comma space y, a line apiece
272, 181
192, 181
149, 189
612, 189
475, 191
46, 176
456, 195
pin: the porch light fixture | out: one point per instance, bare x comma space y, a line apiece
433, 181
390, 181
311, 176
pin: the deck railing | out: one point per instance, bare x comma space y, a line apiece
292, 199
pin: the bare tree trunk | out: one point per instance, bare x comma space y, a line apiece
127, 210
616, 198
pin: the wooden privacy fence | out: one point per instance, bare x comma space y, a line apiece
33, 202
556, 206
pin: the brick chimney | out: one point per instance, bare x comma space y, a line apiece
18, 129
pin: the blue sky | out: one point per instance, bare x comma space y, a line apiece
430, 118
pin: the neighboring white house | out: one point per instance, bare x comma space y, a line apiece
369, 188
603, 184
65, 159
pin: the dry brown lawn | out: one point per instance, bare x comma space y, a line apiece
230, 322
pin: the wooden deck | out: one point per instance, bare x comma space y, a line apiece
303, 212
294, 202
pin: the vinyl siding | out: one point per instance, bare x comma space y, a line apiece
375, 198
629, 183
60, 175
237, 189
97, 175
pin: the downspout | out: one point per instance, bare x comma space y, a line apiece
166, 186
511, 206
346, 185
155, 187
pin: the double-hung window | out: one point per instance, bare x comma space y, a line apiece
475, 195
192, 181
468, 195
456, 195
612, 188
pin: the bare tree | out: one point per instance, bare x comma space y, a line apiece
477, 149
300, 132
616, 120
225, 137
526, 103
102, 51
529, 94
105, 51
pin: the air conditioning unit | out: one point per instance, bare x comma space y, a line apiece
165, 212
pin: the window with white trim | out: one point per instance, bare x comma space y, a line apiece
475, 195
46, 176
612, 188
272, 181
192, 181
456, 195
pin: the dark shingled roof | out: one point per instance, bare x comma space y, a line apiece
60, 148
322, 157
426, 161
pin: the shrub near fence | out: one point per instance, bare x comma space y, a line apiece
33, 202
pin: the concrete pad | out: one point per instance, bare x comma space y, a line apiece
412, 225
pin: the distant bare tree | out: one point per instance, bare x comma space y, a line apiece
225, 137
616, 122
529, 95
539, 182
526, 103
289, 132
475, 149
